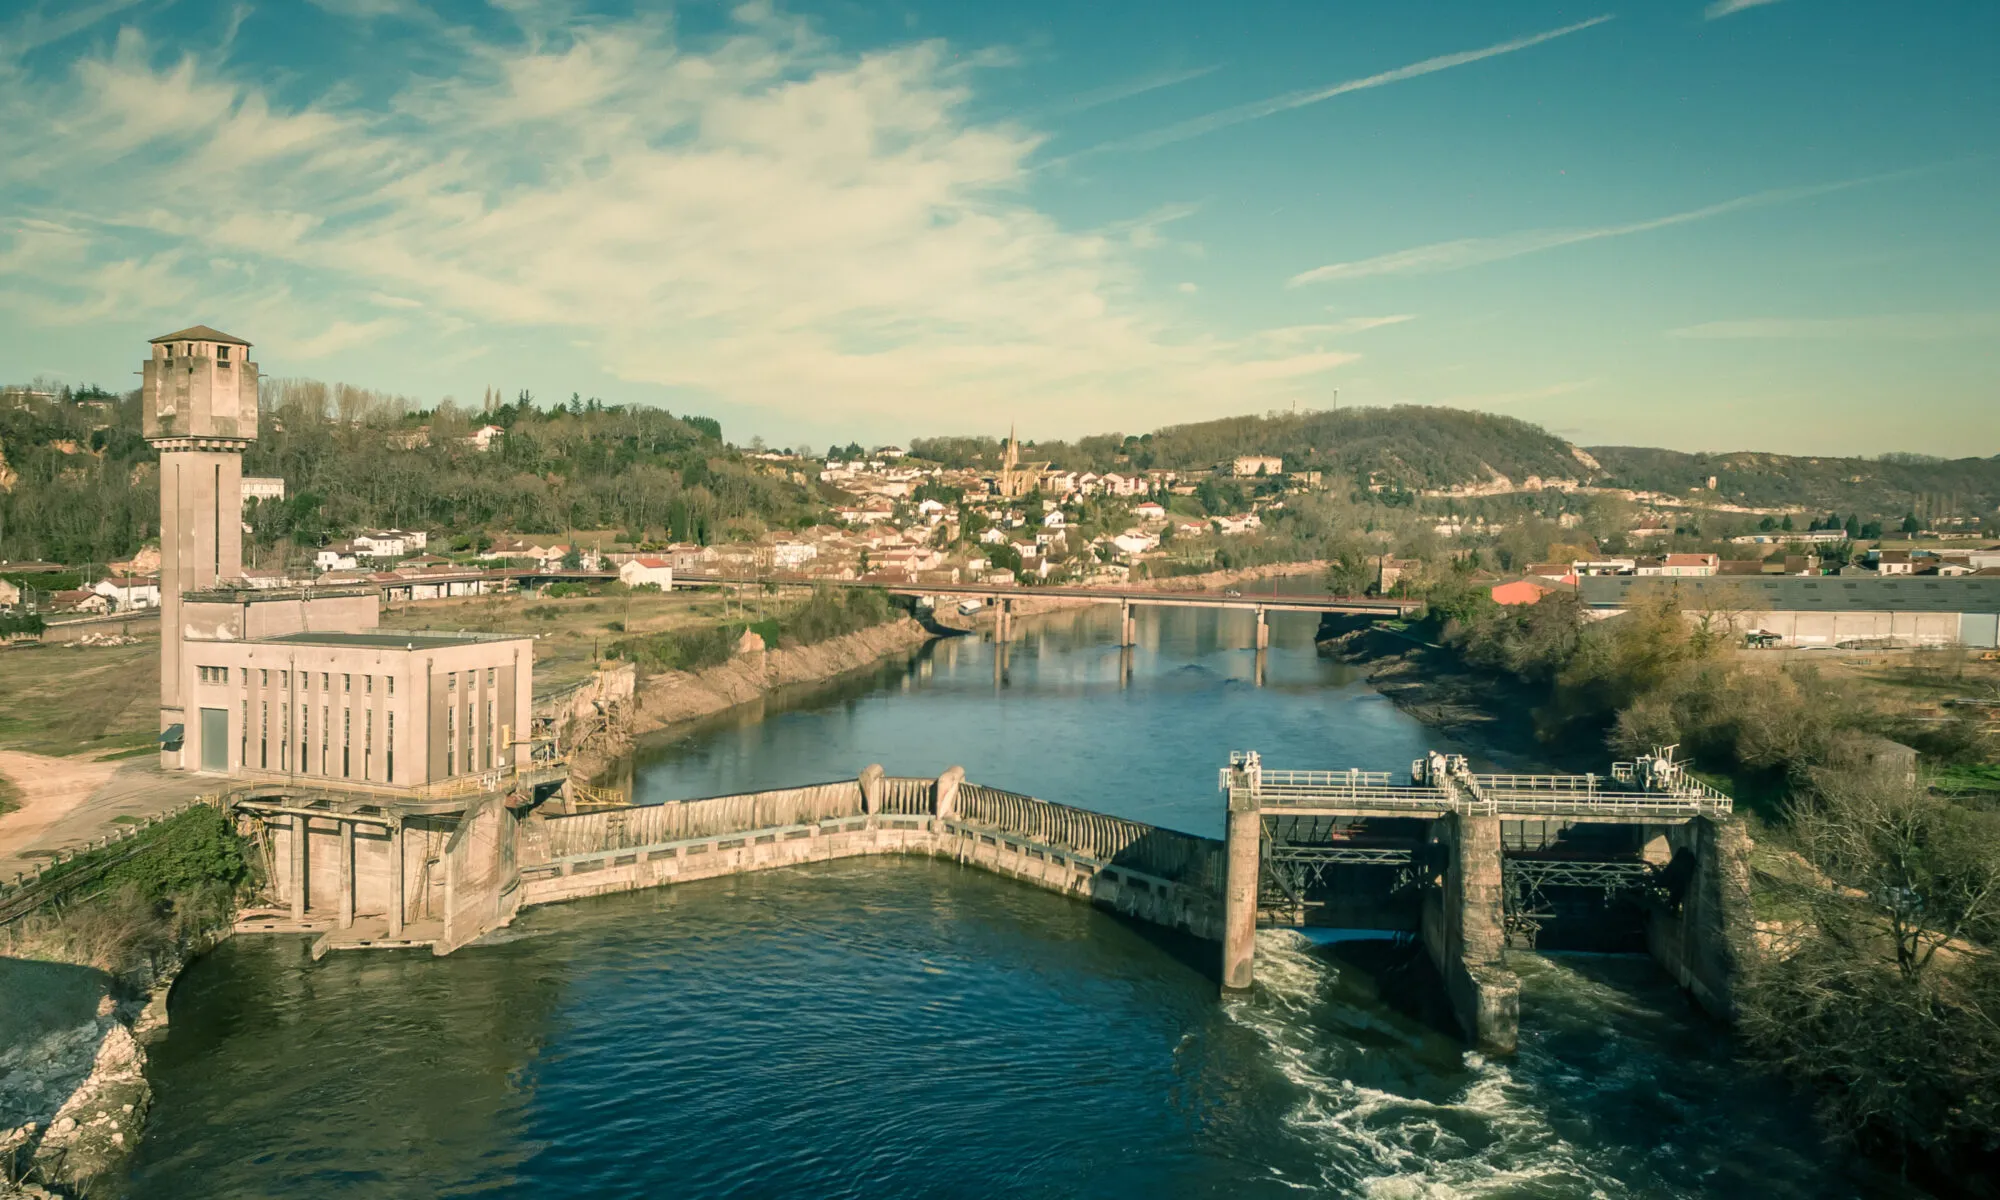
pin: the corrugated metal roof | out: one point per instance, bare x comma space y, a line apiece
1823, 593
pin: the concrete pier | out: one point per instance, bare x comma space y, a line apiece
1243, 843
1702, 934
1263, 630
1128, 625
1464, 932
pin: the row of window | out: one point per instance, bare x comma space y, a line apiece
323, 762
221, 675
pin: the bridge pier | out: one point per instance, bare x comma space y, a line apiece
1003, 622
1263, 630
345, 874
1242, 850
1464, 929
1128, 625
396, 884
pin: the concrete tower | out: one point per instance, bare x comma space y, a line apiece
200, 410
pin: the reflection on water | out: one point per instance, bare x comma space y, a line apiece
914, 1028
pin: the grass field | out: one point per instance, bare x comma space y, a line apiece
80, 699
574, 631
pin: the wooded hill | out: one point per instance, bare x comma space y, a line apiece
1411, 448
80, 485
1891, 485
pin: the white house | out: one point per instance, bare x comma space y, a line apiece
1248, 465
337, 557
1054, 520
127, 592
992, 535
262, 487
791, 555
1134, 542
1150, 510
389, 543
9, 594
482, 438
638, 572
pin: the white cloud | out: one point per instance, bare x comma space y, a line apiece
1902, 327
1472, 252
1724, 8
762, 219
1187, 288
341, 335
1256, 109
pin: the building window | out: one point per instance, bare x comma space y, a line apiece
389, 746
346, 742
263, 678
325, 682
451, 682
243, 731
367, 742
284, 679
470, 736
368, 685
450, 740
489, 735
305, 738
285, 738
222, 355
213, 674
489, 676
389, 681
346, 684
325, 735
264, 733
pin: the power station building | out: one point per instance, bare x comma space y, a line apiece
299, 684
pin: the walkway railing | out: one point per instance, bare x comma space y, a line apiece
1622, 794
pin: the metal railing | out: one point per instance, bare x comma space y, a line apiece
1625, 793
29, 890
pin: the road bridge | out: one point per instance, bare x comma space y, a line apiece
1128, 598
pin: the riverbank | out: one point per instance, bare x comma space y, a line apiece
84, 985
1488, 716
672, 698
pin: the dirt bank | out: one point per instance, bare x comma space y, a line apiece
675, 697
1487, 716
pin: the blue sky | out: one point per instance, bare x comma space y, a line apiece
1765, 224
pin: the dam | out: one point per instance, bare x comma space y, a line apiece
904, 1023
1469, 864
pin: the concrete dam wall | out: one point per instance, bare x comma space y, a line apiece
1142, 871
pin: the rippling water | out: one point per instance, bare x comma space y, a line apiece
914, 1028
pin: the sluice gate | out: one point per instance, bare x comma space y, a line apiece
1643, 858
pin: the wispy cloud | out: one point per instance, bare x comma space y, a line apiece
759, 219
1113, 93
1257, 109
36, 28
1724, 8
1900, 327
1472, 252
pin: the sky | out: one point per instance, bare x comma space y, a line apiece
1702, 224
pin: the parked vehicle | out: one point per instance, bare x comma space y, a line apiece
968, 607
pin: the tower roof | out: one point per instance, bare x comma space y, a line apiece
199, 333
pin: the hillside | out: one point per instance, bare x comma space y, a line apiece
81, 485
1407, 447
1887, 486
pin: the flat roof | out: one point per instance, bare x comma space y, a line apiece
1804, 593
392, 639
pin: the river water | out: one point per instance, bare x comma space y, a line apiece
879, 1028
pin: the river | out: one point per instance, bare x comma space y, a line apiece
882, 1027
